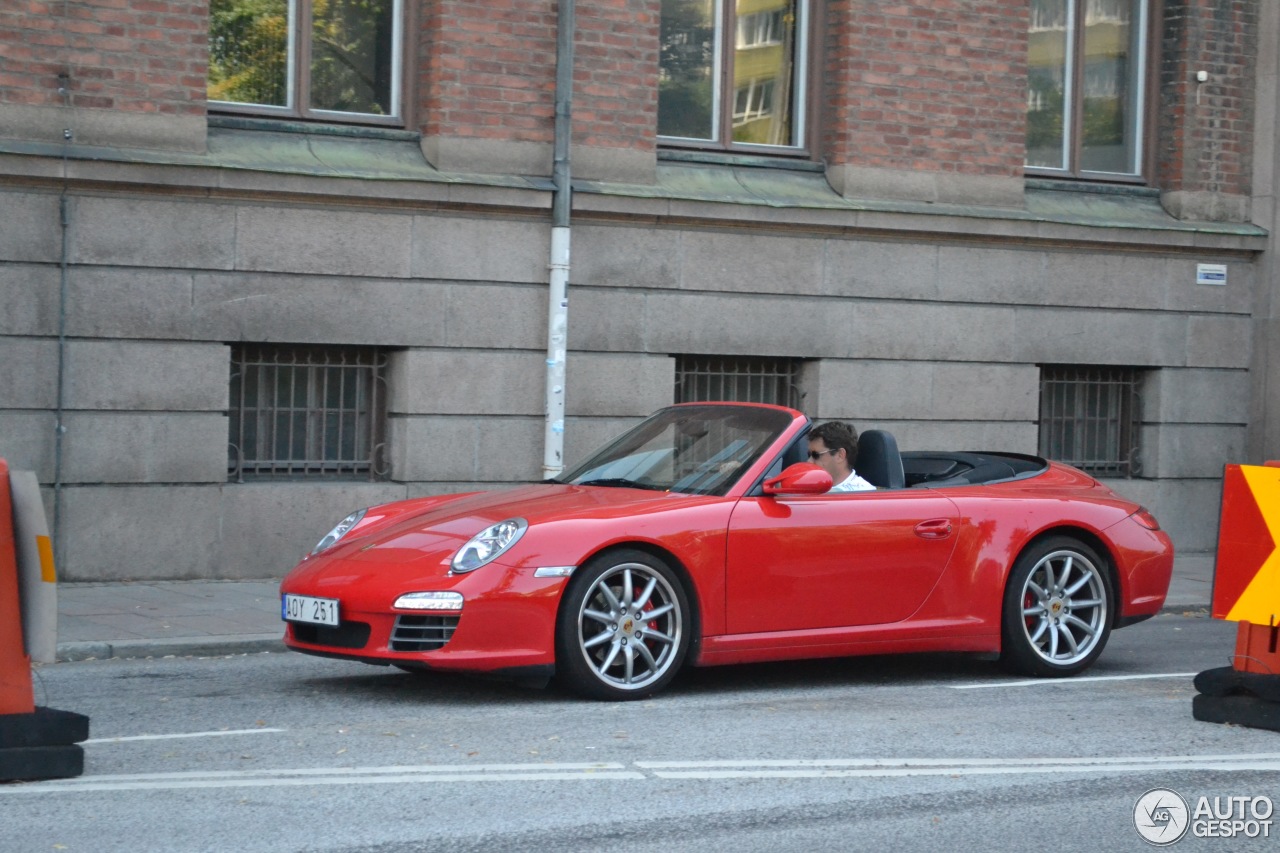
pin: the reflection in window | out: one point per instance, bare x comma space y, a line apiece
754, 48
306, 58
1086, 79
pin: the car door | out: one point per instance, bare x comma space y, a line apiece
836, 559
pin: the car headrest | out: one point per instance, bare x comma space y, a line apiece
879, 461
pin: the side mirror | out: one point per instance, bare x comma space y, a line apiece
802, 478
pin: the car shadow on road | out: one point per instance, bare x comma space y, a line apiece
861, 673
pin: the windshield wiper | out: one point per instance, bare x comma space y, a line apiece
621, 482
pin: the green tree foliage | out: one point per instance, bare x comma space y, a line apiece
350, 60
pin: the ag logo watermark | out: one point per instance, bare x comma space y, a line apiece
1162, 817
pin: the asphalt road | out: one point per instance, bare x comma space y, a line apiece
282, 752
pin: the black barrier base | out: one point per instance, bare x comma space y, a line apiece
42, 745
1227, 695
32, 763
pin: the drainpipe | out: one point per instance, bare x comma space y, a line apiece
558, 299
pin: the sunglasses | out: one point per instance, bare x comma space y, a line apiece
818, 454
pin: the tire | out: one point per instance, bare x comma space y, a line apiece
603, 650
1057, 609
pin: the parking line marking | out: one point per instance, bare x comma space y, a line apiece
327, 776
642, 771
892, 767
1045, 682
102, 740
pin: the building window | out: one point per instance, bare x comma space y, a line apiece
306, 411
703, 378
1089, 418
336, 60
732, 73
1087, 84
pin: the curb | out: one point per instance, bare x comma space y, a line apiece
178, 647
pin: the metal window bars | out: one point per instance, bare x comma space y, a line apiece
306, 411
701, 378
1089, 418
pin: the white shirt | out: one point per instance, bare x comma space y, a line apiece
852, 483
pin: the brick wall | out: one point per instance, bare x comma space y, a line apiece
1206, 129
926, 85
615, 89
488, 69
147, 56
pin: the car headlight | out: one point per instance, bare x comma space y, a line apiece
343, 527
488, 544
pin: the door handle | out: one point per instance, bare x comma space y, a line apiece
934, 528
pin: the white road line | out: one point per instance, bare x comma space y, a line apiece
891, 767
101, 740
327, 776
1067, 682
644, 770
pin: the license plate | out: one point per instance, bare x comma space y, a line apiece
304, 608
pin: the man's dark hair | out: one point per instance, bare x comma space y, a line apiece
837, 435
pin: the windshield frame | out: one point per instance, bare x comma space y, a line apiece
715, 469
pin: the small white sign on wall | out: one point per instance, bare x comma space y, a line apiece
1211, 274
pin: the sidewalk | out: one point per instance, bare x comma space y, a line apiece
158, 618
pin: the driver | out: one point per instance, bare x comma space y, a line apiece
833, 446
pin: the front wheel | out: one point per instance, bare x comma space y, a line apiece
1057, 609
624, 627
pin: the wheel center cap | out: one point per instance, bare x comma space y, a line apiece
627, 626
1055, 607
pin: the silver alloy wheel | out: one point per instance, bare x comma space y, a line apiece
630, 626
1064, 607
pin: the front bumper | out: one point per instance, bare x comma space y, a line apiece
507, 623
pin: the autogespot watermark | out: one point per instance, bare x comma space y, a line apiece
1162, 817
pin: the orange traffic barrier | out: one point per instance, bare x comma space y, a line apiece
1246, 589
16, 695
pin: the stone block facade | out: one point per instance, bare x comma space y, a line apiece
917, 278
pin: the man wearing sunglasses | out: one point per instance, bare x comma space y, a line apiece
833, 446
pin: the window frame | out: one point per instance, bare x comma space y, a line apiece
731, 370
725, 91
1146, 114
298, 75
306, 365
1092, 381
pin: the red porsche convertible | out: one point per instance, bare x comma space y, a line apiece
703, 537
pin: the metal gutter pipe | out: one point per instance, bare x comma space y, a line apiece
558, 299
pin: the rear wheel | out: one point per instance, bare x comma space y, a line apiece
1057, 609
624, 627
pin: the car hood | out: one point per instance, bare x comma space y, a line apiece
423, 542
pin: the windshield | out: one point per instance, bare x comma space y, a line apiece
701, 450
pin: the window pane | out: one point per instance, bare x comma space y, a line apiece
249, 51
763, 66
1108, 128
686, 79
1048, 84
352, 55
